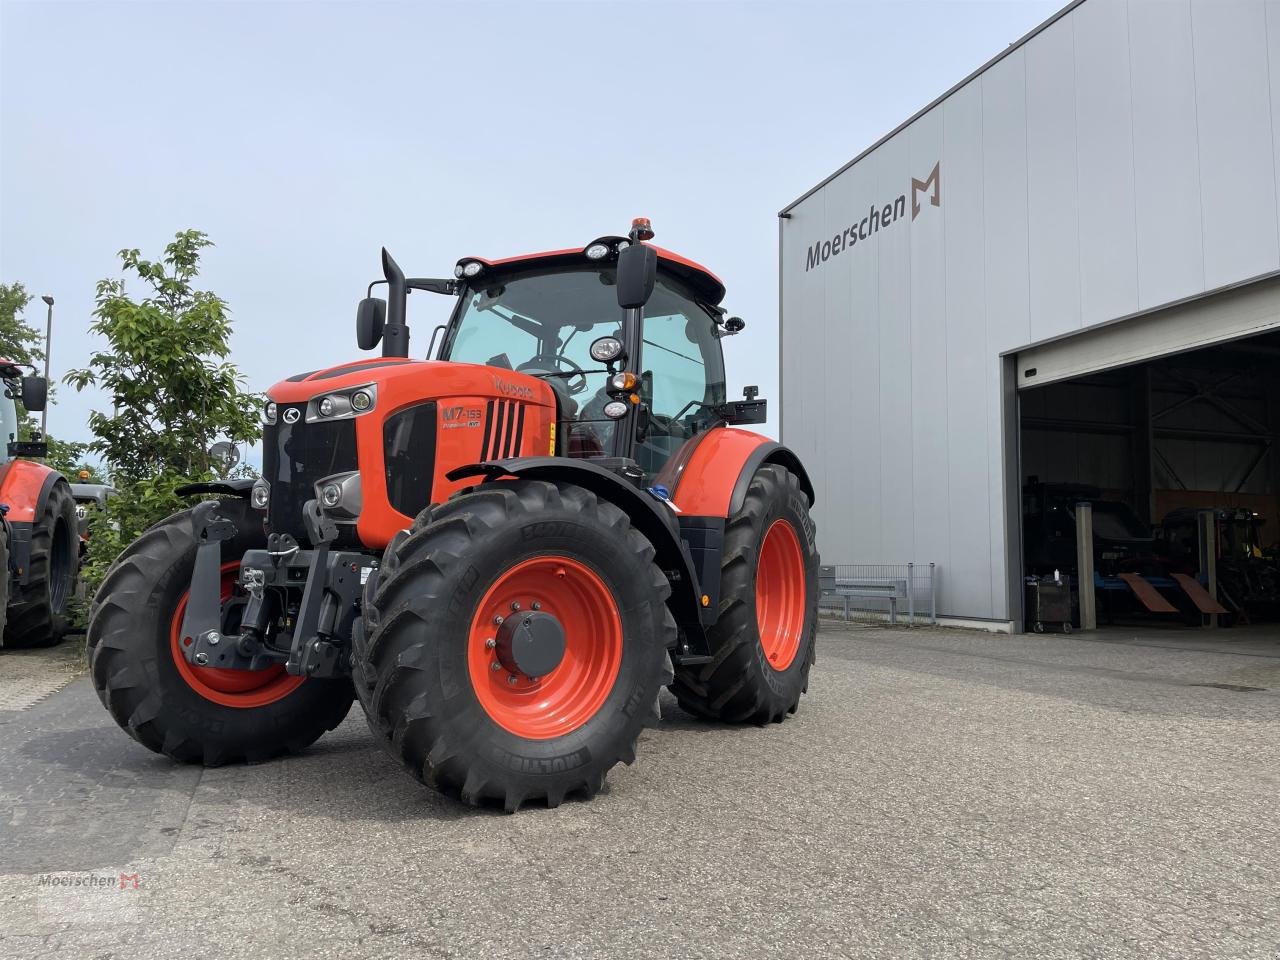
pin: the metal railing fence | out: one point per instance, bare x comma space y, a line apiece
886, 592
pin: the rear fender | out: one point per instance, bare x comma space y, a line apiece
24, 491
647, 513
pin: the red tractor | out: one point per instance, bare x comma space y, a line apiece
39, 542
505, 554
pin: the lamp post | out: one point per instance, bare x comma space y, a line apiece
48, 338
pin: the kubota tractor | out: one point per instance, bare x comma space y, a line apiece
39, 543
504, 553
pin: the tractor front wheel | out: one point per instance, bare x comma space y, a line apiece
515, 643
762, 645
190, 713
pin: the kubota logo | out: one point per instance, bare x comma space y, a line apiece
513, 389
879, 216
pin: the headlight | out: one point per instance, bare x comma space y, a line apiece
597, 251
259, 495
615, 409
344, 405
340, 495
606, 349
269, 412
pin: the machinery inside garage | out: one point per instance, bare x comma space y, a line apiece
1169, 468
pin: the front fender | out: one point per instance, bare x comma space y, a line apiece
238, 487
710, 474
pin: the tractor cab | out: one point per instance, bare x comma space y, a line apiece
557, 319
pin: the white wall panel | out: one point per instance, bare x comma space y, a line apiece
1166, 152
966, 496
1237, 161
1104, 152
1005, 282
892, 169
1053, 236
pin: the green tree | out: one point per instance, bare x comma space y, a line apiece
19, 341
172, 391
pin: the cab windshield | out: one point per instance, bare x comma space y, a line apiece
543, 323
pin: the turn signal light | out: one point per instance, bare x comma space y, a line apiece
623, 381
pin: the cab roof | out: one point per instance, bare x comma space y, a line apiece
705, 284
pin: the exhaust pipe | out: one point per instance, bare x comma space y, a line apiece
395, 336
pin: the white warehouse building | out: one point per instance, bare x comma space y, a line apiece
1065, 271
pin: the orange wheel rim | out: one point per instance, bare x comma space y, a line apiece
230, 688
572, 692
780, 592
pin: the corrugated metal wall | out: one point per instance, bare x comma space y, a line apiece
1122, 158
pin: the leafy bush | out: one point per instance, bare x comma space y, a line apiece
173, 392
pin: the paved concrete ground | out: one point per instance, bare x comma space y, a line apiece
942, 793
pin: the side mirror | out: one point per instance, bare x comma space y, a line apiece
637, 273
35, 393
371, 316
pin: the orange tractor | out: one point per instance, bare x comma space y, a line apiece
39, 542
505, 554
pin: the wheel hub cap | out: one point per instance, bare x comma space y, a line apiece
531, 643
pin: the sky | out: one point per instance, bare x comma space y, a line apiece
302, 137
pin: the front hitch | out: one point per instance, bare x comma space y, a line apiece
321, 625
203, 642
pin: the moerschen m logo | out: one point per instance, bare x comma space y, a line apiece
879, 216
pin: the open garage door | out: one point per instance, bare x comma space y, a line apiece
1199, 323
1156, 442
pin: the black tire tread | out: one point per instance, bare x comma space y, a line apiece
125, 687
33, 620
415, 574
729, 689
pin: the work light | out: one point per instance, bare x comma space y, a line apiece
606, 349
597, 251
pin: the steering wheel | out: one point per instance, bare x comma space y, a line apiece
575, 383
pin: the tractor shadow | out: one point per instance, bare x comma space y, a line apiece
77, 755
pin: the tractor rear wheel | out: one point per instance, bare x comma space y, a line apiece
38, 608
763, 642
5, 578
515, 643
189, 713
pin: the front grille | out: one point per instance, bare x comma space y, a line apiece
295, 456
